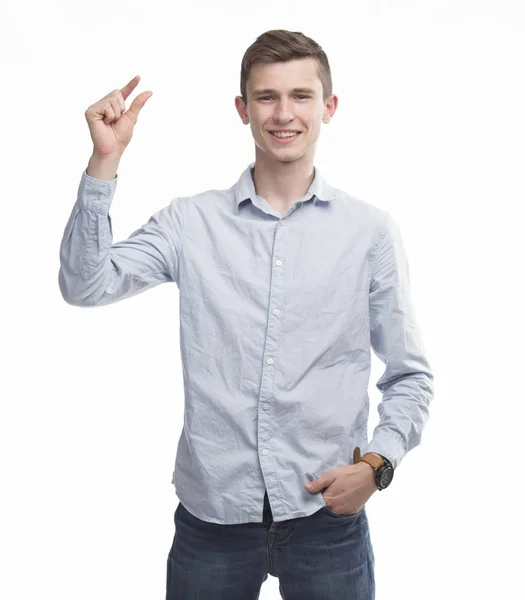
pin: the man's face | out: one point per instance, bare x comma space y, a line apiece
286, 95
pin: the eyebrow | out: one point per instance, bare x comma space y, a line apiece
306, 90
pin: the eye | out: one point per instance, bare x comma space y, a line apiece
298, 96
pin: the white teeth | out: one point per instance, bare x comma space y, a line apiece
283, 134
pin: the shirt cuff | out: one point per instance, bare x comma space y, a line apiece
95, 194
390, 445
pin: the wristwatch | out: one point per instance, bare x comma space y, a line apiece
383, 469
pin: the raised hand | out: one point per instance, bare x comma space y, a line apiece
110, 124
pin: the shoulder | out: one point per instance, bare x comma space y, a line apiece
368, 214
207, 199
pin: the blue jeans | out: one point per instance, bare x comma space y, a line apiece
324, 556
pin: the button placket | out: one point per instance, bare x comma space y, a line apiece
271, 344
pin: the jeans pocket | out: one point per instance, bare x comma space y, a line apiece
334, 514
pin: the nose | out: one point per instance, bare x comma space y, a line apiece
283, 112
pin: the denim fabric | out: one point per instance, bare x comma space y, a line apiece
324, 556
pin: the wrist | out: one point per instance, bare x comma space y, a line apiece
364, 466
103, 167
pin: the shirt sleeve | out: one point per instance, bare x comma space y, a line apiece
94, 271
407, 382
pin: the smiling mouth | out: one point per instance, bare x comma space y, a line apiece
284, 136
284, 140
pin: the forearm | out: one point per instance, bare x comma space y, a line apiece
94, 271
404, 412
103, 167
84, 249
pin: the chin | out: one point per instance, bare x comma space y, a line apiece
288, 159
284, 155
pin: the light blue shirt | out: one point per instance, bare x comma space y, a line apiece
277, 318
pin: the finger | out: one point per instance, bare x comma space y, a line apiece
130, 86
109, 114
137, 105
118, 101
115, 105
121, 100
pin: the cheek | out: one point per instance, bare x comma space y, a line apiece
315, 129
255, 126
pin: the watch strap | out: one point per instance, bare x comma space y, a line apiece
374, 461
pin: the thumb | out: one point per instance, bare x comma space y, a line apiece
312, 486
138, 104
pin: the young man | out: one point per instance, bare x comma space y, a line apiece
285, 283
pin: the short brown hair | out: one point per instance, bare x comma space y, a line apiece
280, 45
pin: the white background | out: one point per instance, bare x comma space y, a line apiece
430, 127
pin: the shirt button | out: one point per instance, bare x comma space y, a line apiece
102, 196
278, 262
94, 237
269, 361
265, 406
276, 311
265, 452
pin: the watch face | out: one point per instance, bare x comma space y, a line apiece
386, 477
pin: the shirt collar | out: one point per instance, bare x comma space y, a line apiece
245, 188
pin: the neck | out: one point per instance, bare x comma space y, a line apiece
282, 183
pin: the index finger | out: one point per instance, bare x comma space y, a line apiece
129, 87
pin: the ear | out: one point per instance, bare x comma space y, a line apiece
330, 108
242, 109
